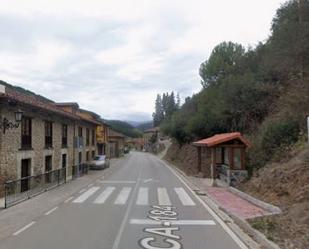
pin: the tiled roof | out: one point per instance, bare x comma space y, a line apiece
221, 138
36, 101
112, 133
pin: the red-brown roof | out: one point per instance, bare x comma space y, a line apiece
35, 101
221, 138
112, 133
12, 93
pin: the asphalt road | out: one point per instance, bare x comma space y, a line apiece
141, 204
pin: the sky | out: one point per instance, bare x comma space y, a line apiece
113, 57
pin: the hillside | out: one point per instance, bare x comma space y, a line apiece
262, 92
124, 128
284, 184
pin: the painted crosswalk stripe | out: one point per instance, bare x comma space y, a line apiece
123, 196
142, 197
86, 195
104, 195
184, 197
163, 197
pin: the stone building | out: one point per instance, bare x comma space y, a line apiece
116, 143
48, 137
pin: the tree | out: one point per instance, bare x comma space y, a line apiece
223, 60
158, 115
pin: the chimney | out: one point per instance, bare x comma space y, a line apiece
2, 88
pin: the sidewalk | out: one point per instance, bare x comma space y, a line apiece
227, 200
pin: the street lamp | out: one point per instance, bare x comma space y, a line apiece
6, 124
18, 115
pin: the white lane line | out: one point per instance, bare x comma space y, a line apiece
118, 181
163, 197
142, 197
174, 222
52, 210
86, 195
126, 215
217, 218
104, 195
184, 197
90, 185
67, 200
83, 190
24, 228
123, 196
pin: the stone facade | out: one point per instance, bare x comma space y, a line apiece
11, 153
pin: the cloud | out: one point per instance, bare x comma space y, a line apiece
114, 56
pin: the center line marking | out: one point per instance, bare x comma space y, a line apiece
24, 228
50, 211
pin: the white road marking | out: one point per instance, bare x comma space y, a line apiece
217, 218
118, 181
52, 210
104, 195
90, 185
184, 197
174, 222
126, 215
163, 197
86, 195
83, 190
24, 228
123, 196
142, 197
67, 200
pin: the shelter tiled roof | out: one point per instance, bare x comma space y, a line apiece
221, 138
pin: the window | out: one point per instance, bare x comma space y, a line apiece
87, 156
92, 154
80, 131
92, 137
48, 134
64, 160
48, 169
26, 131
87, 137
64, 135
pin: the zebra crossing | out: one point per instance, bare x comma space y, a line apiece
120, 196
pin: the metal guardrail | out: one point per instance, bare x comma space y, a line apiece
22, 189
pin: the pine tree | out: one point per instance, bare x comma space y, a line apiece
158, 115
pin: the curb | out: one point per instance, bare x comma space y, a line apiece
241, 223
269, 207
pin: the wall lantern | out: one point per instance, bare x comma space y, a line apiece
6, 124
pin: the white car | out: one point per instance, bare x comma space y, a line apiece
99, 162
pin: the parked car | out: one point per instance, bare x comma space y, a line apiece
99, 162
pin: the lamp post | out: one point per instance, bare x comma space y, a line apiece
6, 124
